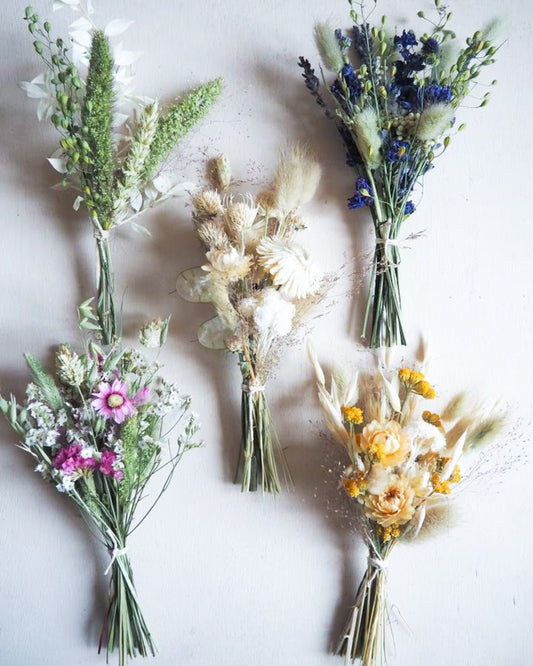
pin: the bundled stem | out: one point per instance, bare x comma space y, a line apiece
124, 626
384, 305
364, 634
257, 460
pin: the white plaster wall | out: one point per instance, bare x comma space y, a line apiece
229, 579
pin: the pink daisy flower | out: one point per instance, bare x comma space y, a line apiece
112, 401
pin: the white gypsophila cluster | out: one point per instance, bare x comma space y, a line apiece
168, 398
274, 315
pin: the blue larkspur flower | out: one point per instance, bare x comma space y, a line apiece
409, 208
406, 39
363, 194
398, 152
344, 41
431, 45
434, 93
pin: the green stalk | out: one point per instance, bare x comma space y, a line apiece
105, 307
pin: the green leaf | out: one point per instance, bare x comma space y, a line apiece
213, 333
193, 285
45, 382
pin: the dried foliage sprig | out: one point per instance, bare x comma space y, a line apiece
114, 174
404, 462
96, 432
394, 98
262, 283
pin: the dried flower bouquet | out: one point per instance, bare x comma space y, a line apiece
96, 432
394, 99
112, 161
404, 461
262, 283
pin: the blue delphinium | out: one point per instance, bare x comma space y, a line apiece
434, 93
409, 208
363, 194
430, 46
399, 151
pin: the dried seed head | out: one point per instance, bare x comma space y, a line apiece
207, 204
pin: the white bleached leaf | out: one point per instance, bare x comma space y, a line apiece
119, 119
136, 201
117, 27
59, 4
182, 189
81, 24
33, 91
193, 285
58, 163
90, 7
351, 393
124, 58
213, 334
456, 454
140, 229
77, 202
162, 183
81, 37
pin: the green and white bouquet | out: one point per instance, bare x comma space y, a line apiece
96, 428
395, 98
262, 284
111, 160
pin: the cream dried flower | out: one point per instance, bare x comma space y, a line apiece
207, 204
231, 265
394, 505
389, 442
290, 266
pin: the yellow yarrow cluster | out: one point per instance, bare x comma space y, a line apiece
352, 414
443, 487
433, 419
388, 533
416, 382
354, 487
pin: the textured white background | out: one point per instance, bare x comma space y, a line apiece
228, 579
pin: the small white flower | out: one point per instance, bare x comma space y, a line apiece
274, 314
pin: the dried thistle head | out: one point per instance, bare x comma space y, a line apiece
207, 204
219, 173
213, 236
239, 216
296, 179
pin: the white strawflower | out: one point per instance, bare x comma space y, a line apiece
290, 266
231, 264
274, 315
